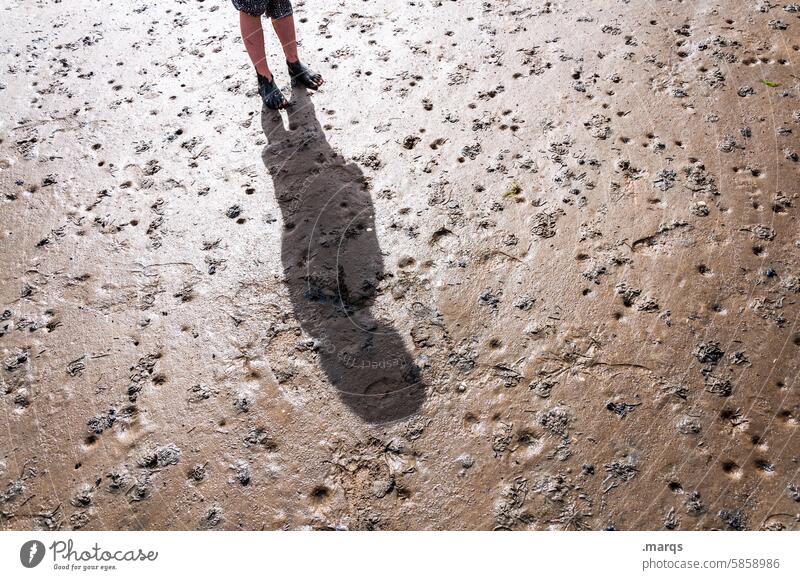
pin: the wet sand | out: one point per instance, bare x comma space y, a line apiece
518, 265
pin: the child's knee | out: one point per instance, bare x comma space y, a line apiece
250, 19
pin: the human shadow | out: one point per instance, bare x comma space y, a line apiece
333, 267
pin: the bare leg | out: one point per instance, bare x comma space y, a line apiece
253, 37
284, 28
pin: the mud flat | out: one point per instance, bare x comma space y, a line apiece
519, 265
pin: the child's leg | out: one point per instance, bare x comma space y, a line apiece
284, 28
253, 37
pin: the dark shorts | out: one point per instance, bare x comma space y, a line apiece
273, 8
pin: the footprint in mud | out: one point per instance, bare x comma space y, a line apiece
333, 265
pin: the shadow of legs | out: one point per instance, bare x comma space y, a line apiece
333, 266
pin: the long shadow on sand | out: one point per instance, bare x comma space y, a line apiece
333, 265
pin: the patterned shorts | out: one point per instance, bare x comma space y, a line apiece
273, 8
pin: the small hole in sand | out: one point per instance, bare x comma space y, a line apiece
730, 467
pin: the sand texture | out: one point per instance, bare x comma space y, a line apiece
517, 265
